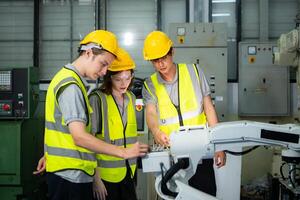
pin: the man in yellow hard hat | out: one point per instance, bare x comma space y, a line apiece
114, 120
178, 95
69, 147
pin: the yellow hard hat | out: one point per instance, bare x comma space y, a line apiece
124, 61
156, 45
104, 39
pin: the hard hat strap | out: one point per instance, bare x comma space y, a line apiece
90, 46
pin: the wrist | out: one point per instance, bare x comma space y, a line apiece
155, 132
122, 153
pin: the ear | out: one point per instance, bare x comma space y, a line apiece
89, 52
173, 51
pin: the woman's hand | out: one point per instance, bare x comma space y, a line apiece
99, 189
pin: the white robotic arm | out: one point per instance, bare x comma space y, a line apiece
188, 146
289, 51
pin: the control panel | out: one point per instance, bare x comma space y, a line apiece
205, 44
264, 88
18, 92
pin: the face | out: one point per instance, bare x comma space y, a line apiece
163, 64
121, 81
98, 64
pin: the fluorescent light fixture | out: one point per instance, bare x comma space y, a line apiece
128, 38
223, 1
221, 14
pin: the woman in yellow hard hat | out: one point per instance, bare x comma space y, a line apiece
114, 121
69, 158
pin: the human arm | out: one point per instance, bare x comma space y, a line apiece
73, 111
84, 139
152, 116
99, 188
152, 122
212, 119
209, 111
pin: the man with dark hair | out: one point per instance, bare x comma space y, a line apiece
178, 95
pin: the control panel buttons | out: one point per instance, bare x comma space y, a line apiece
6, 107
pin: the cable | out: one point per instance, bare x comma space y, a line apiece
161, 169
281, 171
242, 152
182, 163
290, 178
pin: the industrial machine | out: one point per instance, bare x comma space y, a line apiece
19, 92
264, 87
140, 111
288, 54
205, 44
190, 145
21, 133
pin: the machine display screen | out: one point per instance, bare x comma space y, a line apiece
5, 80
251, 50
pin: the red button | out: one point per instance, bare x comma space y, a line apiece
6, 107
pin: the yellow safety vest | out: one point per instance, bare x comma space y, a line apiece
189, 110
60, 151
113, 169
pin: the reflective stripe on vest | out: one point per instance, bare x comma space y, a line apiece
113, 169
121, 141
190, 109
174, 120
57, 126
60, 151
70, 153
115, 163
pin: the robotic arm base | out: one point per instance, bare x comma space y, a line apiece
184, 192
187, 192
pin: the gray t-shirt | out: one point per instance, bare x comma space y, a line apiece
172, 88
73, 108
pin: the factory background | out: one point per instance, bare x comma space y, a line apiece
234, 41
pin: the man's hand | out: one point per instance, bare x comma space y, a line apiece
220, 158
136, 150
161, 138
152, 122
41, 167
